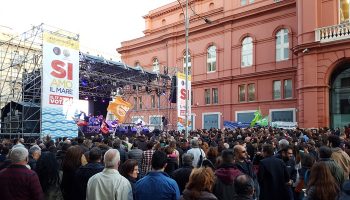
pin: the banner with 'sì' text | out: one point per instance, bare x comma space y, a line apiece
181, 102
60, 86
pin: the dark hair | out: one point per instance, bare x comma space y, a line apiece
307, 161
149, 145
227, 156
95, 154
47, 170
321, 176
267, 148
244, 185
128, 167
159, 159
334, 140
325, 152
72, 160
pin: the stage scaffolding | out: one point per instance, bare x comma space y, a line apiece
21, 75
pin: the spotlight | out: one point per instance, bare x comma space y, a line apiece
86, 98
84, 83
103, 101
140, 87
94, 98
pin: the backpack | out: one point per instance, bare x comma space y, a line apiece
200, 160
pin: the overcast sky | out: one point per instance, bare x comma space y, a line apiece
102, 24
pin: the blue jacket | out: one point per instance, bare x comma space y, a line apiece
157, 185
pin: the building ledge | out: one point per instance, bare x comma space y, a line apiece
333, 33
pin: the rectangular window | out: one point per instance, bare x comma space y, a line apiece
243, 2
276, 89
244, 117
140, 103
288, 89
153, 101
207, 96
241, 89
191, 98
282, 116
343, 10
251, 92
215, 96
135, 103
155, 120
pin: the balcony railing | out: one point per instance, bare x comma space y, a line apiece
333, 33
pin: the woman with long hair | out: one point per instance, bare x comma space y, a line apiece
200, 185
47, 170
70, 164
321, 185
130, 170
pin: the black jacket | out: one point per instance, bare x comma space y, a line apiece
182, 176
224, 188
272, 177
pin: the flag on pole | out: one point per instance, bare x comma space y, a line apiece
119, 108
257, 117
264, 121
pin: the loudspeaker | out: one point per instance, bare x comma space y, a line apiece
173, 93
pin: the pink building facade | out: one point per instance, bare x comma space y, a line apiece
290, 58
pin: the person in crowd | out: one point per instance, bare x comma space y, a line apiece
244, 187
157, 184
212, 156
146, 159
17, 181
84, 173
245, 166
172, 160
48, 173
200, 185
130, 170
136, 154
62, 153
287, 156
182, 175
117, 144
109, 184
34, 155
345, 192
322, 185
196, 152
225, 173
70, 164
325, 154
339, 155
273, 176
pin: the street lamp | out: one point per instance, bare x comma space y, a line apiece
186, 71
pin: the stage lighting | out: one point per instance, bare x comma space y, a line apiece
86, 98
84, 83
94, 98
140, 87
103, 100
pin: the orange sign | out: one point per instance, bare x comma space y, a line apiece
119, 108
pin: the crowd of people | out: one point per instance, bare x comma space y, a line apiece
229, 164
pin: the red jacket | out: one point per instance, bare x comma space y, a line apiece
19, 182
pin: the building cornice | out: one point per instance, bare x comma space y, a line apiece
169, 9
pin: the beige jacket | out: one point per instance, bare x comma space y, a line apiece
343, 160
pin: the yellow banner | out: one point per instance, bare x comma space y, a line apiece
61, 41
183, 76
119, 108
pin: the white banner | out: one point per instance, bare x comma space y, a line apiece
181, 101
60, 86
284, 125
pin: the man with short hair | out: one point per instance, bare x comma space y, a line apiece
244, 187
182, 175
84, 173
34, 155
273, 176
325, 154
157, 185
339, 155
196, 151
109, 184
17, 181
223, 187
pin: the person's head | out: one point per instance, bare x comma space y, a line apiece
149, 145
307, 161
187, 159
227, 156
130, 168
325, 152
72, 159
334, 141
194, 143
201, 179
111, 159
244, 185
287, 153
321, 176
35, 152
267, 150
159, 160
95, 155
212, 152
240, 152
283, 143
19, 155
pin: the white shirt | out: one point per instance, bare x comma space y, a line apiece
108, 184
196, 152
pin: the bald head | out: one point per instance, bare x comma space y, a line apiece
240, 152
112, 158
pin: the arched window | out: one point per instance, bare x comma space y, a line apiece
155, 65
247, 52
344, 10
282, 45
189, 63
137, 63
211, 59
